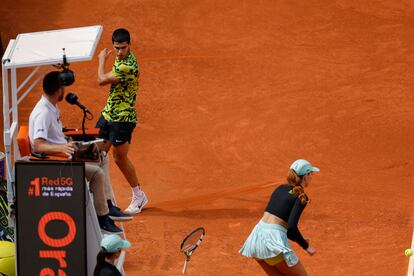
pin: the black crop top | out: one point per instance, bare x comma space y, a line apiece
288, 207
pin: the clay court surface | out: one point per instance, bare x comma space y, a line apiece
231, 92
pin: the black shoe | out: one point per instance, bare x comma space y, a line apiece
116, 214
108, 226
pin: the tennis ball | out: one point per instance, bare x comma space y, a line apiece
7, 258
408, 252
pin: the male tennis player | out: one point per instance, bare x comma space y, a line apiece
119, 116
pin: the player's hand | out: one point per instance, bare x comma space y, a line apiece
103, 55
311, 251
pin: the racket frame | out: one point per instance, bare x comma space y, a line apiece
190, 251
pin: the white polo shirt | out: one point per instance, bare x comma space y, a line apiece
44, 122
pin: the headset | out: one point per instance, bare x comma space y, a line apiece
66, 76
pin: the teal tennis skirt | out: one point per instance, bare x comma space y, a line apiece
267, 240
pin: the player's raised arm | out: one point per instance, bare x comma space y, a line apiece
105, 78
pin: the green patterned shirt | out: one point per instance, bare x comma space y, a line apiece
120, 106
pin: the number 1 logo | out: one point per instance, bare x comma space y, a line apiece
34, 189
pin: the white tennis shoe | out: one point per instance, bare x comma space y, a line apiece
137, 204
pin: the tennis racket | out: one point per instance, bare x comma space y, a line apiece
190, 243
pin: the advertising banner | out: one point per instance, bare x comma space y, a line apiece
50, 218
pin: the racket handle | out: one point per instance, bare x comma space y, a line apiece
185, 265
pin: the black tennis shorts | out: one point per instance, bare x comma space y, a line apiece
115, 132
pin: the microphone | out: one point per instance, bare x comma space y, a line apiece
73, 99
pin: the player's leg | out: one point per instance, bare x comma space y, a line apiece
120, 154
120, 138
269, 269
115, 213
296, 270
104, 133
139, 199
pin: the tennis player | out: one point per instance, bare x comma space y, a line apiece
119, 116
268, 242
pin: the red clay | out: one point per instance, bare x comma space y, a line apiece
231, 92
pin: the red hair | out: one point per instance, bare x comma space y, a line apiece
295, 181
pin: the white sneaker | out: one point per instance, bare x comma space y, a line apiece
137, 204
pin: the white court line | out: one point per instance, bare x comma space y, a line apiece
410, 271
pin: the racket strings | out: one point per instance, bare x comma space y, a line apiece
191, 242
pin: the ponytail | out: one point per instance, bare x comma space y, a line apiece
294, 181
100, 260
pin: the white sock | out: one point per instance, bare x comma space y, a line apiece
136, 191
